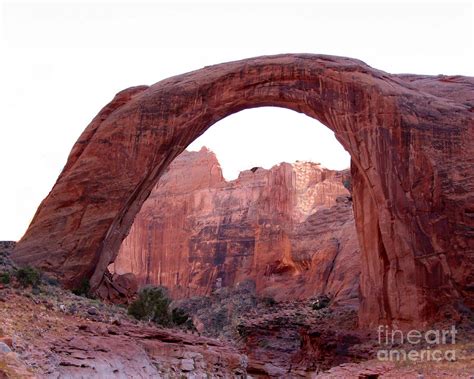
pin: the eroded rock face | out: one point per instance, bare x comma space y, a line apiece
411, 142
290, 229
60, 341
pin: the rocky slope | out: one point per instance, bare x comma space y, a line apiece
48, 332
290, 229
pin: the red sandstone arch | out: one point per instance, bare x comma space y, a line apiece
410, 139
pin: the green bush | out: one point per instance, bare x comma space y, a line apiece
269, 301
179, 316
83, 289
347, 183
152, 305
5, 278
321, 302
242, 330
28, 276
50, 280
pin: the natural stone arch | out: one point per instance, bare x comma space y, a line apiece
406, 136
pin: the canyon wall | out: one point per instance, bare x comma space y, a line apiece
290, 229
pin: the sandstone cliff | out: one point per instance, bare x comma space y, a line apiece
290, 229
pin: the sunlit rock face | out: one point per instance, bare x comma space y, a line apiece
290, 229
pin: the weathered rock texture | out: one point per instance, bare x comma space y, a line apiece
290, 229
53, 338
411, 142
118, 288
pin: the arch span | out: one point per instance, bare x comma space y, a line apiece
409, 137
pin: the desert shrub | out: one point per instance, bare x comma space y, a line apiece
152, 304
83, 289
28, 276
347, 183
242, 330
50, 280
321, 301
179, 316
246, 287
5, 277
269, 301
220, 318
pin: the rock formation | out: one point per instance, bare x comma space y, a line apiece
290, 229
410, 139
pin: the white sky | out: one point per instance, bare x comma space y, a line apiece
60, 62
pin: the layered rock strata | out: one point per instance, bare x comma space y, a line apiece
290, 229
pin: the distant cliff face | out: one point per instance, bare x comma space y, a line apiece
290, 229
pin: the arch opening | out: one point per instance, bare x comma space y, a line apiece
267, 136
